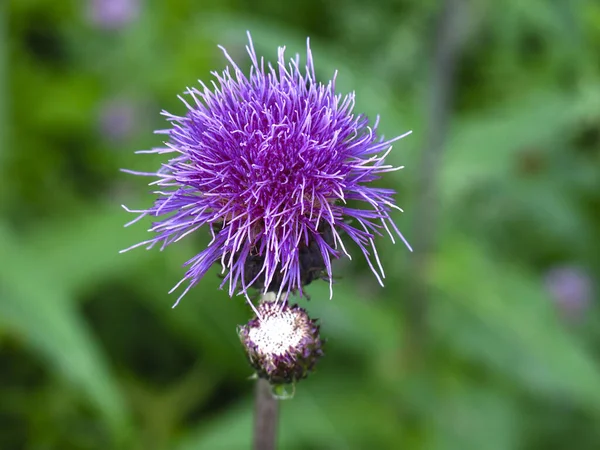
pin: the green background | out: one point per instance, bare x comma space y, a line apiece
464, 348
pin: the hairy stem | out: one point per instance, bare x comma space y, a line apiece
266, 415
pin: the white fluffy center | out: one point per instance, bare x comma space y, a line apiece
276, 334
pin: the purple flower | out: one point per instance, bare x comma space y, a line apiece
113, 14
276, 166
570, 288
117, 119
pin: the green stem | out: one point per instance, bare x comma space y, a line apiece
266, 416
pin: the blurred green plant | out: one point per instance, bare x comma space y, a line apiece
93, 357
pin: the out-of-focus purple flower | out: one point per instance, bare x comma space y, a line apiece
571, 289
117, 119
276, 165
113, 14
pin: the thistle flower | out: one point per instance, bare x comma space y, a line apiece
268, 163
571, 289
117, 119
113, 14
283, 343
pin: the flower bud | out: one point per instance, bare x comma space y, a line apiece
283, 343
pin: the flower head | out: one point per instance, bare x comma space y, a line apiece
571, 289
283, 343
269, 162
113, 14
117, 119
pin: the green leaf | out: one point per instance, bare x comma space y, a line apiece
4, 96
36, 308
467, 417
495, 314
361, 322
79, 250
341, 412
485, 147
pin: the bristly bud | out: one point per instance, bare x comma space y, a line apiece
283, 343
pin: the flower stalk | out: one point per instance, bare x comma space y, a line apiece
277, 167
266, 416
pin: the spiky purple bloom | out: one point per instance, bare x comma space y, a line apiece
268, 162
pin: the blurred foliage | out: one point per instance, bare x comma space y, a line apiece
93, 357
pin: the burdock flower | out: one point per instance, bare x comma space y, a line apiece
276, 166
283, 345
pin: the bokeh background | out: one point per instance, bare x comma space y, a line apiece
487, 337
